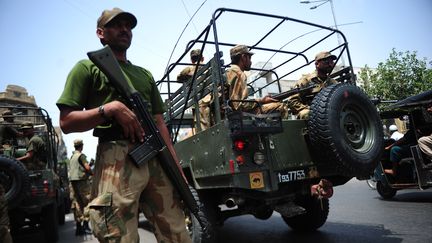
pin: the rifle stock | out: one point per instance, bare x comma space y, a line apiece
154, 145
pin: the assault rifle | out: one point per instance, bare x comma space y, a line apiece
153, 144
286, 94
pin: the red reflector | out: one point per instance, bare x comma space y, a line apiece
240, 159
33, 191
231, 166
239, 145
46, 187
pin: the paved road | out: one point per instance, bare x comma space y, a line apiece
357, 214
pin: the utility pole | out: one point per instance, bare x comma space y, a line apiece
334, 19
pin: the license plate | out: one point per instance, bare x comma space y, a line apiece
296, 175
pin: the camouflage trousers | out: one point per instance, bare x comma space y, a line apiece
205, 117
425, 144
5, 236
80, 192
304, 114
117, 187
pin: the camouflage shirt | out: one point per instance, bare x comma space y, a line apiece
37, 146
299, 102
237, 83
186, 74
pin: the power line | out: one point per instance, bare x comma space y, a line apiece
181, 34
187, 11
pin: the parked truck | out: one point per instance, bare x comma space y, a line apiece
37, 198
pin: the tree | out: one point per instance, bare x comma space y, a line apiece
402, 75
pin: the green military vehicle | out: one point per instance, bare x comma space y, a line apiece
257, 164
36, 198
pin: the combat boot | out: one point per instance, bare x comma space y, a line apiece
79, 230
86, 228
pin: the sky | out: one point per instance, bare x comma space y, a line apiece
41, 40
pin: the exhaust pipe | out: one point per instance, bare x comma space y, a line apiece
233, 201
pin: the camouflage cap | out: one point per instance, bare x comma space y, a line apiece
27, 125
108, 15
195, 53
78, 142
324, 55
240, 49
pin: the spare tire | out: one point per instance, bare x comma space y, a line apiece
345, 130
15, 180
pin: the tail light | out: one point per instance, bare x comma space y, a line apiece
45, 187
239, 145
33, 191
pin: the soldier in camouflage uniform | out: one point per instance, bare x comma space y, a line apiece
188, 71
236, 80
237, 85
88, 101
5, 236
299, 103
35, 157
79, 174
204, 104
8, 133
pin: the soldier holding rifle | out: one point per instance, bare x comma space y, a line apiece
89, 101
299, 103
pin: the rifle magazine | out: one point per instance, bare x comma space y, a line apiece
143, 152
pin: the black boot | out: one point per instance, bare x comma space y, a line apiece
86, 228
79, 230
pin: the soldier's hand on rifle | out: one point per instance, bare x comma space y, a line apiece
267, 99
132, 129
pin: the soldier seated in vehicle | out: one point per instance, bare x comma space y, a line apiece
35, 157
299, 103
8, 133
237, 85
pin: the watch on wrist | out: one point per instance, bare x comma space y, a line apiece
101, 111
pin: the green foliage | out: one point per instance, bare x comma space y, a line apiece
402, 75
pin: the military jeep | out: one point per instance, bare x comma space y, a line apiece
260, 163
36, 198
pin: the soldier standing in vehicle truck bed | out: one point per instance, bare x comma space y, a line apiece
35, 157
8, 133
299, 103
204, 103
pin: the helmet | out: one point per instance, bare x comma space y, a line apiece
393, 128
